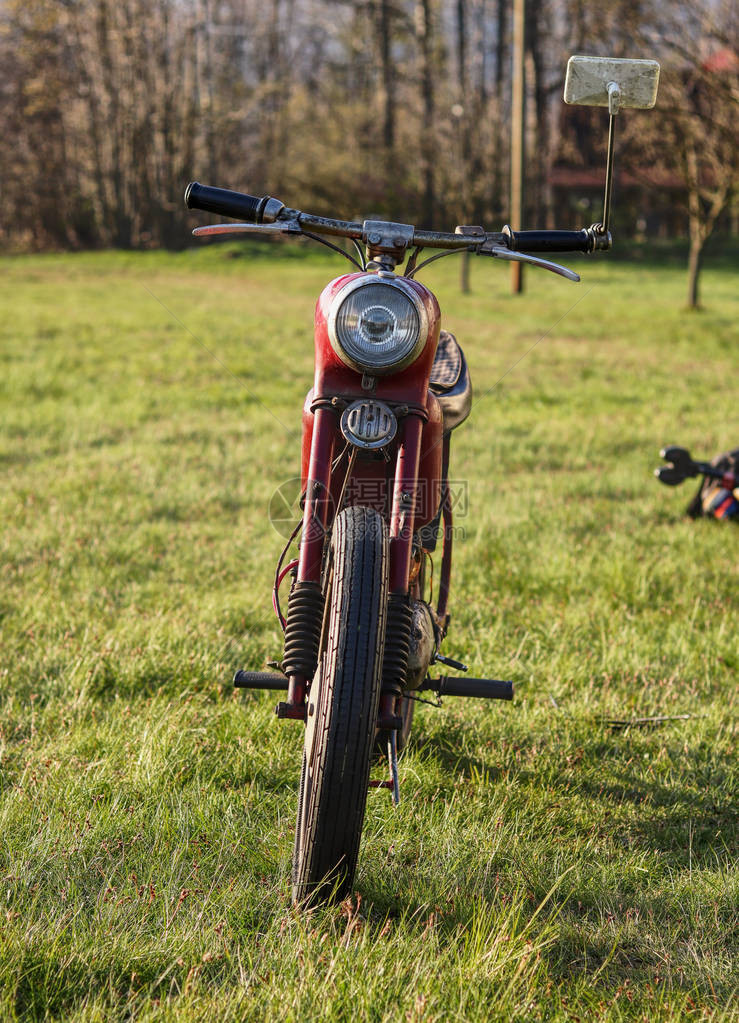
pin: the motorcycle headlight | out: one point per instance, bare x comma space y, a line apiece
377, 326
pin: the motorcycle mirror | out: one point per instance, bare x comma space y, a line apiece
615, 83
612, 82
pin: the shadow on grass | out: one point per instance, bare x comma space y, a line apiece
689, 818
53, 983
454, 762
683, 826
678, 817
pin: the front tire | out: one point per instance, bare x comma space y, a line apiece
342, 710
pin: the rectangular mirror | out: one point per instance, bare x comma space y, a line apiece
590, 81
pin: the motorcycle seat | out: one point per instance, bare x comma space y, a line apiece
450, 381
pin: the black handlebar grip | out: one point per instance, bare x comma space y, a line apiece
224, 202
549, 241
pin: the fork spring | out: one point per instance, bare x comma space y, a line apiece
303, 629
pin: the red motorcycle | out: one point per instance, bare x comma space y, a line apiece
390, 386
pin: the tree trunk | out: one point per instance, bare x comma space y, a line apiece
387, 74
464, 121
209, 117
500, 48
538, 30
695, 260
518, 133
697, 229
107, 40
424, 34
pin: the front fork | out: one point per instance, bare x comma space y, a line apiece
305, 606
398, 628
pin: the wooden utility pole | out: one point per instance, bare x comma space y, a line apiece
517, 129
464, 123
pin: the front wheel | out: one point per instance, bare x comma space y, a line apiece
342, 710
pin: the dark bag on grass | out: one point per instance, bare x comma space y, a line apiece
713, 499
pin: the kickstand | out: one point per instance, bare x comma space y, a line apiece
392, 759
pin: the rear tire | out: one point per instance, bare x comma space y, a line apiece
342, 710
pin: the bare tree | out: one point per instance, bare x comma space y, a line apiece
398, 108
700, 117
694, 137
427, 71
384, 17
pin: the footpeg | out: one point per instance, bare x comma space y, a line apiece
259, 680
482, 688
270, 680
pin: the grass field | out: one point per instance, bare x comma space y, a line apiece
541, 866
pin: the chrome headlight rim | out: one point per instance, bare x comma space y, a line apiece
394, 282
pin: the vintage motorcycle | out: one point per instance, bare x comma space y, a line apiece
390, 386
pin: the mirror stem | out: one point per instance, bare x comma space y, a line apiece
609, 175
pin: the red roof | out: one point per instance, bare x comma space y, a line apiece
722, 60
583, 177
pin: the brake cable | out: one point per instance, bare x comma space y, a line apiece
336, 248
438, 255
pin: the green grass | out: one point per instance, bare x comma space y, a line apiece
540, 866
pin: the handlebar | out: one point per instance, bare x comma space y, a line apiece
267, 210
682, 466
